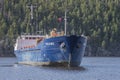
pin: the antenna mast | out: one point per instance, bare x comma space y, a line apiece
65, 29
65, 21
31, 12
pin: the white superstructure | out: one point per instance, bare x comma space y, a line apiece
27, 41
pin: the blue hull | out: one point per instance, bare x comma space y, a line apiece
58, 49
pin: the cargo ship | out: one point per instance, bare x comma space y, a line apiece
42, 50
38, 50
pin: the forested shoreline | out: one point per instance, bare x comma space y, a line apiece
99, 20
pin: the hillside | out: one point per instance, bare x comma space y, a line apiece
99, 20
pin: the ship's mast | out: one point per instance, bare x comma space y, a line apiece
32, 7
65, 21
31, 10
65, 18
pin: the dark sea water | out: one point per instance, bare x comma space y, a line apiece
92, 68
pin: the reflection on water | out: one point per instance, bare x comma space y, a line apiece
80, 68
6, 65
91, 69
10, 65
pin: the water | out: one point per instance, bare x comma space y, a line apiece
92, 68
